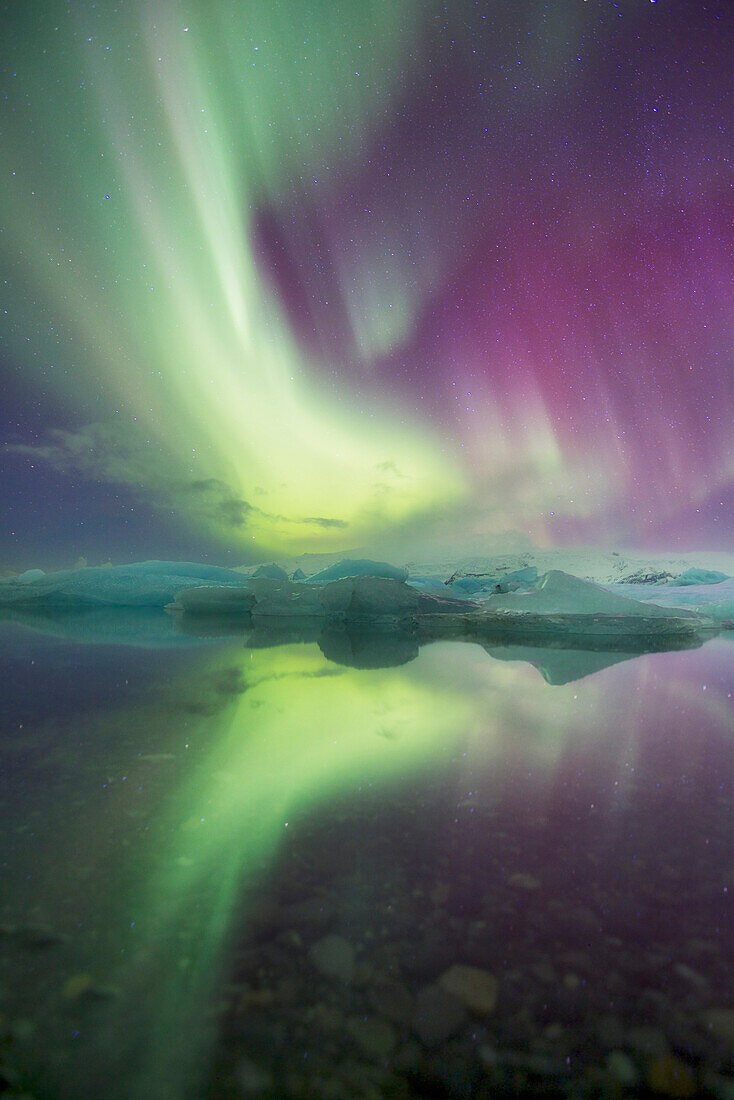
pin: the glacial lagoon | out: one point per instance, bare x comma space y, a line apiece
233, 868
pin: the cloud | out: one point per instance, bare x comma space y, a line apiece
107, 451
214, 498
119, 452
322, 521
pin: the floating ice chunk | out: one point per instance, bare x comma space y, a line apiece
722, 611
433, 584
699, 576
469, 585
714, 600
358, 567
30, 575
214, 600
370, 598
365, 599
519, 580
262, 596
285, 598
276, 572
515, 581
557, 592
142, 584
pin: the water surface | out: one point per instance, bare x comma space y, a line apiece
233, 871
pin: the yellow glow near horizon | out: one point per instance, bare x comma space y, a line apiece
144, 258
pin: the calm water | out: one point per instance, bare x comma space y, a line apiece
234, 871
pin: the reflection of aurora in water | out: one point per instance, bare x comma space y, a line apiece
148, 823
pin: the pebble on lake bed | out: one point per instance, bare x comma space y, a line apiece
720, 1022
76, 985
437, 1016
375, 1037
668, 1076
252, 1078
522, 881
333, 956
476, 989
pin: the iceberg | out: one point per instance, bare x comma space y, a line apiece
559, 593
261, 595
214, 600
700, 576
556, 604
276, 572
518, 580
358, 567
716, 600
433, 584
30, 575
470, 585
142, 584
370, 598
289, 599
350, 599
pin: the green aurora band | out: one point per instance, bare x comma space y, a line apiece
130, 174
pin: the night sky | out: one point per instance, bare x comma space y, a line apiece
304, 275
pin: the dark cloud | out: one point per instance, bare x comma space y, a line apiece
215, 499
323, 521
119, 452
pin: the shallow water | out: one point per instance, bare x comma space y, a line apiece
236, 871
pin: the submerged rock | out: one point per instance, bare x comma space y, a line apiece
333, 956
476, 989
374, 1036
720, 1023
437, 1015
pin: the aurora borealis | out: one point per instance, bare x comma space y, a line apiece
284, 277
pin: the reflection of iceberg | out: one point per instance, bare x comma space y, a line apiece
368, 648
565, 654
562, 666
153, 840
134, 626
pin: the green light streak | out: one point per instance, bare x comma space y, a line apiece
303, 732
151, 843
135, 156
